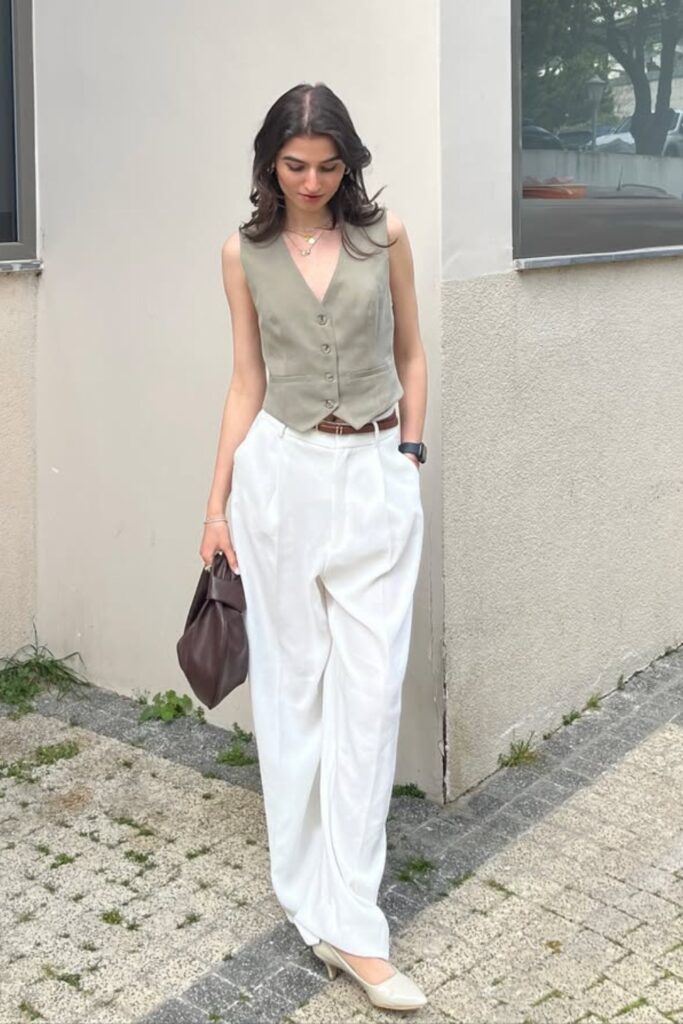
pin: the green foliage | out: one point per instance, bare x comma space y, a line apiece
21, 770
408, 789
32, 669
521, 752
414, 868
235, 754
566, 42
557, 61
70, 979
112, 916
245, 737
30, 1010
142, 830
456, 881
139, 857
62, 858
167, 706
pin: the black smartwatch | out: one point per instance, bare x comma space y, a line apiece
418, 448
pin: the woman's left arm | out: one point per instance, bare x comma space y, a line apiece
409, 353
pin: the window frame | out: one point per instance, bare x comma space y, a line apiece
23, 251
560, 260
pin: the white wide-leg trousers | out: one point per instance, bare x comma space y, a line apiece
328, 532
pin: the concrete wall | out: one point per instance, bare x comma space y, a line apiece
563, 495
17, 460
605, 168
146, 116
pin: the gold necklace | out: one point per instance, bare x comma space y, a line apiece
311, 239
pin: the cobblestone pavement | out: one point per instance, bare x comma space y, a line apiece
134, 882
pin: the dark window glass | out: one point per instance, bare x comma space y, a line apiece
8, 180
601, 132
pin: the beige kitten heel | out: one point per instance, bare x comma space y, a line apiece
397, 992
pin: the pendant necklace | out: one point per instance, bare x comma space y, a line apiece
311, 239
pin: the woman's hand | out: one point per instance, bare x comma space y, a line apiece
414, 458
216, 538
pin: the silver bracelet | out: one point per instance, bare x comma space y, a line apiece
216, 519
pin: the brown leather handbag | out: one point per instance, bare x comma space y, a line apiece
214, 651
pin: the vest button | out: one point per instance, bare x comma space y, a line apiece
329, 402
329, 376
325, 347
322, 319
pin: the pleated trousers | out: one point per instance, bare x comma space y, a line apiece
328, 532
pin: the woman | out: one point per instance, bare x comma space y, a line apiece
326, 518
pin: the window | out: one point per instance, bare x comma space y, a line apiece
17, 166
598, 144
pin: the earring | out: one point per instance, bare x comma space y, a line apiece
347, 171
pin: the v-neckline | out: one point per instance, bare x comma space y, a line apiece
335, 273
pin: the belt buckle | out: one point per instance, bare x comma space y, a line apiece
337, 427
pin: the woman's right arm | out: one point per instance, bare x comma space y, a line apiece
244, 398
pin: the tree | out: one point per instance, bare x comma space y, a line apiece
557, 62
571, 39
625, 29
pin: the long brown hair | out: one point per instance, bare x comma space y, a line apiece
307, 109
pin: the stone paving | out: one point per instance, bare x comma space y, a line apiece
134, 881
581, 918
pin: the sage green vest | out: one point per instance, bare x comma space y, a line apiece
334, 356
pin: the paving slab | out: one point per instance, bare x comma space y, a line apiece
135, 876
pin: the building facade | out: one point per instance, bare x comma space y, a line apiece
553, 493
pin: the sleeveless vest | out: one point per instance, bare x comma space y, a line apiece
334, 356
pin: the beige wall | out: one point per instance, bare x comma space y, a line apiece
563, 504
17, 460
146, 114
476, 141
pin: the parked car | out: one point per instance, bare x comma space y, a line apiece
535, 137
575, 138
673, 145
621, 140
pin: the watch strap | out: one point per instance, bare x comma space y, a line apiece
414, 448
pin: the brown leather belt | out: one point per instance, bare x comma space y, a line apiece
342, 427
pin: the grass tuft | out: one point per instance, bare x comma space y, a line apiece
408, 789
414, 868
32, 669
521, 752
